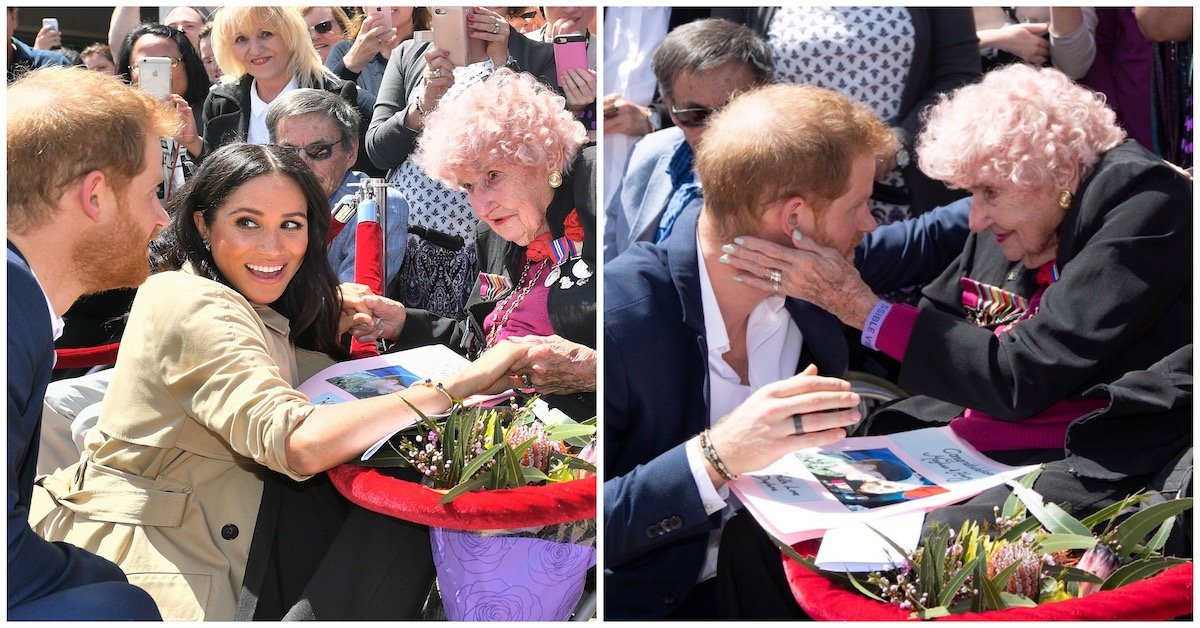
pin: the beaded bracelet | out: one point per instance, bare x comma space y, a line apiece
713, 458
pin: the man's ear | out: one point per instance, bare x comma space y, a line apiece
795, 213
91, 193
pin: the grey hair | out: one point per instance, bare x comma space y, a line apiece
710, 43
301, 102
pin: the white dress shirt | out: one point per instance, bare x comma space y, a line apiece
773, 344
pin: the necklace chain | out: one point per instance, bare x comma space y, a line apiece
512, 301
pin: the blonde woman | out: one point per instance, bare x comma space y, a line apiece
264, 52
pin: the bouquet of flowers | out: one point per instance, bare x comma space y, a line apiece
1034, 553
509, 494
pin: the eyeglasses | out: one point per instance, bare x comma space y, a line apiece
317, 151
691, 117
322, 27
527, 15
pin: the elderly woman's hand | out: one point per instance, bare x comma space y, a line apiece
579, 87
492, 28
374, 37
555, 365
811, 272
802, 411
387, 318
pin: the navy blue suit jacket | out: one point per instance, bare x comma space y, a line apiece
656, 398
36, 567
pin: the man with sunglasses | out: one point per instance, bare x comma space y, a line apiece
699, 67
323, 130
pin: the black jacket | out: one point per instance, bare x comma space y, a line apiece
1117, 325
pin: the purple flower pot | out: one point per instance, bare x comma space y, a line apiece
508, 578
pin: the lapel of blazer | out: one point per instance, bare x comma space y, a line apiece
824, 338
649, 211
681, 254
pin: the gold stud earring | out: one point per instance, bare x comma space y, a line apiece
1065, 198
555, 179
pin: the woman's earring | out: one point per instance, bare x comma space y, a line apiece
207, 245
1065, 198
555, 179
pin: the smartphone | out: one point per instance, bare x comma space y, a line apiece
382, 13
450, 33
570, 53
50, 22
154, 76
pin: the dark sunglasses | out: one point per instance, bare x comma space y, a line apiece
315, 151
692, 117
322, 27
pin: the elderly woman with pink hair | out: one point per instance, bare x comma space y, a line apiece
1062, 335
519, 156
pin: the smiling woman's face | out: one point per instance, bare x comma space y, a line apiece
1024, 222
259, 236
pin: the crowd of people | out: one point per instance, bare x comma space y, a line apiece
975, 205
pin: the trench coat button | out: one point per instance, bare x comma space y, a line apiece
654, 530
229, 532
673, 524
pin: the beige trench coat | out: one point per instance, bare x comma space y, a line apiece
169, 485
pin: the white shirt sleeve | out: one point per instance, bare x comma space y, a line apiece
713, 499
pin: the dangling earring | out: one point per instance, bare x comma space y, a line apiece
555, 179
207, 245
1065, 198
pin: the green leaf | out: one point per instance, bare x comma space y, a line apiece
794, 555
579, 463
1014, 533
988, 591
1073, 574
1012, 600
1000, 580
563, 431
1139, 570
1110, 511
1013, 506
900, 551
950, 589
1159, 539
463, 487
930, 613
1055, 519
475, 465
863, 589
1057, 542
1140, 524
531, 475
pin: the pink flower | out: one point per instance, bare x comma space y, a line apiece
1099, 561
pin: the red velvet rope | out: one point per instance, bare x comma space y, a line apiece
1167, 595
368, 270
86, 357
524, 507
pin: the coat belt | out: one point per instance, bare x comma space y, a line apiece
104, 494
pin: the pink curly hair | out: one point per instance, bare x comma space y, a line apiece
510, 118
1020, 126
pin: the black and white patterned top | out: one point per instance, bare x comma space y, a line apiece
432, 278
863, 53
